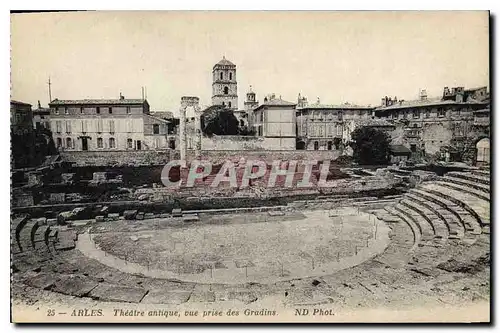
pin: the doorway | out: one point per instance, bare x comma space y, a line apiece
85, 144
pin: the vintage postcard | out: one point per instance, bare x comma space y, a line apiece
246, 166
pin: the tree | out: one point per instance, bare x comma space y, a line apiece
219, 120
370, 146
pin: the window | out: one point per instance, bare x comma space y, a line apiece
223, 104
226, 90
112, 143
111, 126
81, 109
99, 125
330, 144
110, 110
262, 116
56, 111
59, 142
230, 76
221, 75
427, 113
441, 112
242, 123
58, 126
128, 109
69, 143
98, 110
99, 143
129, 143
84, 126
339, 115
316, 145
68, 127
413, 148
156, 129
229, 103
416, 114
66, 111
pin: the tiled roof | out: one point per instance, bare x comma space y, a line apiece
96, 101
41, 110
422, 103
224, 62
275, 102
156, 118
400, 149
332, 106
18, 102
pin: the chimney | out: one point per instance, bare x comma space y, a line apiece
39, 106
122, 97
423, 94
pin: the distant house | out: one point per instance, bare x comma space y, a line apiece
399, 153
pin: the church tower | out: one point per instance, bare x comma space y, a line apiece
224, 85
251, 102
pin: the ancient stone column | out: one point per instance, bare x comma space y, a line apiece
197, 128
182, 133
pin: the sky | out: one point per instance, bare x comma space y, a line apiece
355, 57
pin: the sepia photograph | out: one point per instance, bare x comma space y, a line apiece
250, 167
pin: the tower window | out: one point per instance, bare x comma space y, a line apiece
230, 76
156, 129
221, 75
223, 104
229, 104
226, 90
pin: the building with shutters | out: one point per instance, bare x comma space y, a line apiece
106, 125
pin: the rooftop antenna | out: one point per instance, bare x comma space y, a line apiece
50, 91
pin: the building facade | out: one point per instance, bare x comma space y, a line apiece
275, 121
106, 125
41, 117
426, 125
224, 84
328, 127
21, 117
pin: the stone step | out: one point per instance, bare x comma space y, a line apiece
443, 208
464, 182
470, 176
439, 226
417, 235
482, 173
425, 229
463, 188
42, 234
27, 235
476, 207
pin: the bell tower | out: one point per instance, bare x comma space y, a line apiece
251, 102
224, 84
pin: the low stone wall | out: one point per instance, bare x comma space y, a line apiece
246, 143
147, 157
118, 158
267, 155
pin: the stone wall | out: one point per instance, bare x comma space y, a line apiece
269, 156
136, 158
117, 158
236, 142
